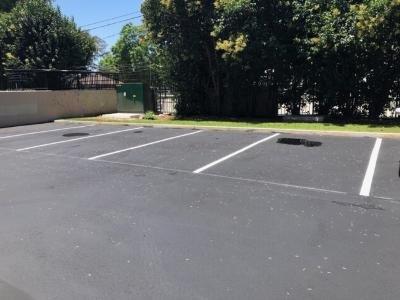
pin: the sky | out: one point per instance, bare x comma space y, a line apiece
90, 11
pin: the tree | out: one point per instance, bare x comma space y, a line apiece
224, 56
7, 5
378, 26
182, 31
2, 51
108, 63
258, 39
38, 36
353, 47
134, 55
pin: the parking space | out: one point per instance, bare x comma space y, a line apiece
186, 153
124, 137
123, 212
387, 174
337, 164
321, 163
33, 138
38, 128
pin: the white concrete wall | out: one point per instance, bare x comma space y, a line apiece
30, 107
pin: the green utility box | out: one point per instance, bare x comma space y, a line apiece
130, 97
134, 98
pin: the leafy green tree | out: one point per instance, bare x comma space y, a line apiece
182, 31
37, 35
225, 55
2, 51
108, 63
259, 38
134, 55
7, 5
353, 49
378, 25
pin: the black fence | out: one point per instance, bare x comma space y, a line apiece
57, 80
165, 100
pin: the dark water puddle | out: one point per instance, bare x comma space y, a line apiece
76, 134
298, 142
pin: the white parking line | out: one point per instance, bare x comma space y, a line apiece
78, 139
45, 131
144, 145
276, 183
369, 175
226, 177
234, 154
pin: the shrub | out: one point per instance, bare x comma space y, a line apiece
149, 115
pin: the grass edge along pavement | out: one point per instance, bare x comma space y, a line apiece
324, 128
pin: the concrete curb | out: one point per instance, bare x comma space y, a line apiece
243, 129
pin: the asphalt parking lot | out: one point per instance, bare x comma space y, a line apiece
122, 212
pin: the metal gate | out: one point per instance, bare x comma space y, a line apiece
165, 100
131, 97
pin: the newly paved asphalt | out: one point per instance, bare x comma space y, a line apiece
276, 221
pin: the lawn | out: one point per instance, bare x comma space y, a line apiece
259, 124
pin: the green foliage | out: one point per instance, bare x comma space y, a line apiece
2, 51
182, 31
224, 55
7, 5
37, 35
108, 63
149, 115
134, 55
354, 49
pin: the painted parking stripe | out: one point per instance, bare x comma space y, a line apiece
144, 145
276, 184
202, 169
44, 131
369, 174
78, 139
226, 177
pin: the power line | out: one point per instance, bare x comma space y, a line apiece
110, 19
111, 35
109, 24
